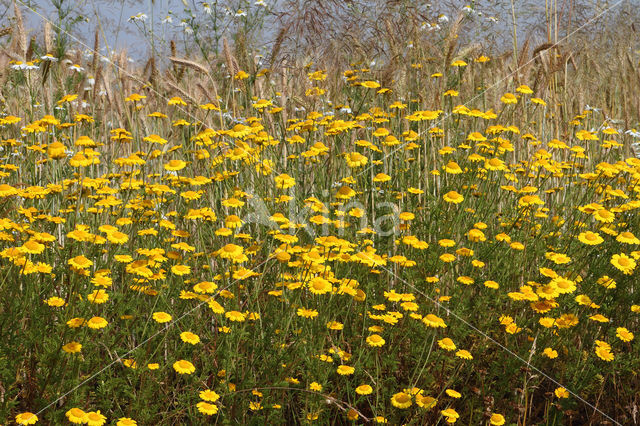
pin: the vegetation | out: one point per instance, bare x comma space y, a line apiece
421, 233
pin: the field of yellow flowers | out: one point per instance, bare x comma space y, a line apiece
346, 251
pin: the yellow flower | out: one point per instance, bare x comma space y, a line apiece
189, 337
558, 258
98, 296
604, 353
345, 370
599, 318
512, 328
183, 367
352, 414
496, 419
453, 197
76, 415
355, 159
453, 393
529, 200
375, 340
624, 334
335, 325
175, 165
97, 323
207, 408
491, 284
235, 316
209, 395
180, 270
424, 115
241, 75
509, 98
524, 89
26, 418
447, 257
7, 190
95, 418
561, 392
476, 137
451, 415
134, 97
364, 390
607, 282
453, 168
72, 347
401, 400
307, 313
176, 100
344, 193
464, 354
32, 247
55, 301
547, 292
284, 181
215, 306
317, 75
424, 401
154, 139
623, 263
130, 363
381, 177
627, 238
75, 322
262, 103
315, 386
80, 262
590, 238
604, 215
476, 235
117, 237
369, 84
209, 107
161, 317
233, 252
495, 164
319, 285
563, 285
447, 344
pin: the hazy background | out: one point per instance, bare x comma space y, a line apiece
166, 20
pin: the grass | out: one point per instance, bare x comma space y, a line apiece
437, 238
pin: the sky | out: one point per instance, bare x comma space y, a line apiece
118, 31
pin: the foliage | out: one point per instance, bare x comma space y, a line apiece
439, 238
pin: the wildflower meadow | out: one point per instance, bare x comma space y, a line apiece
404, 227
